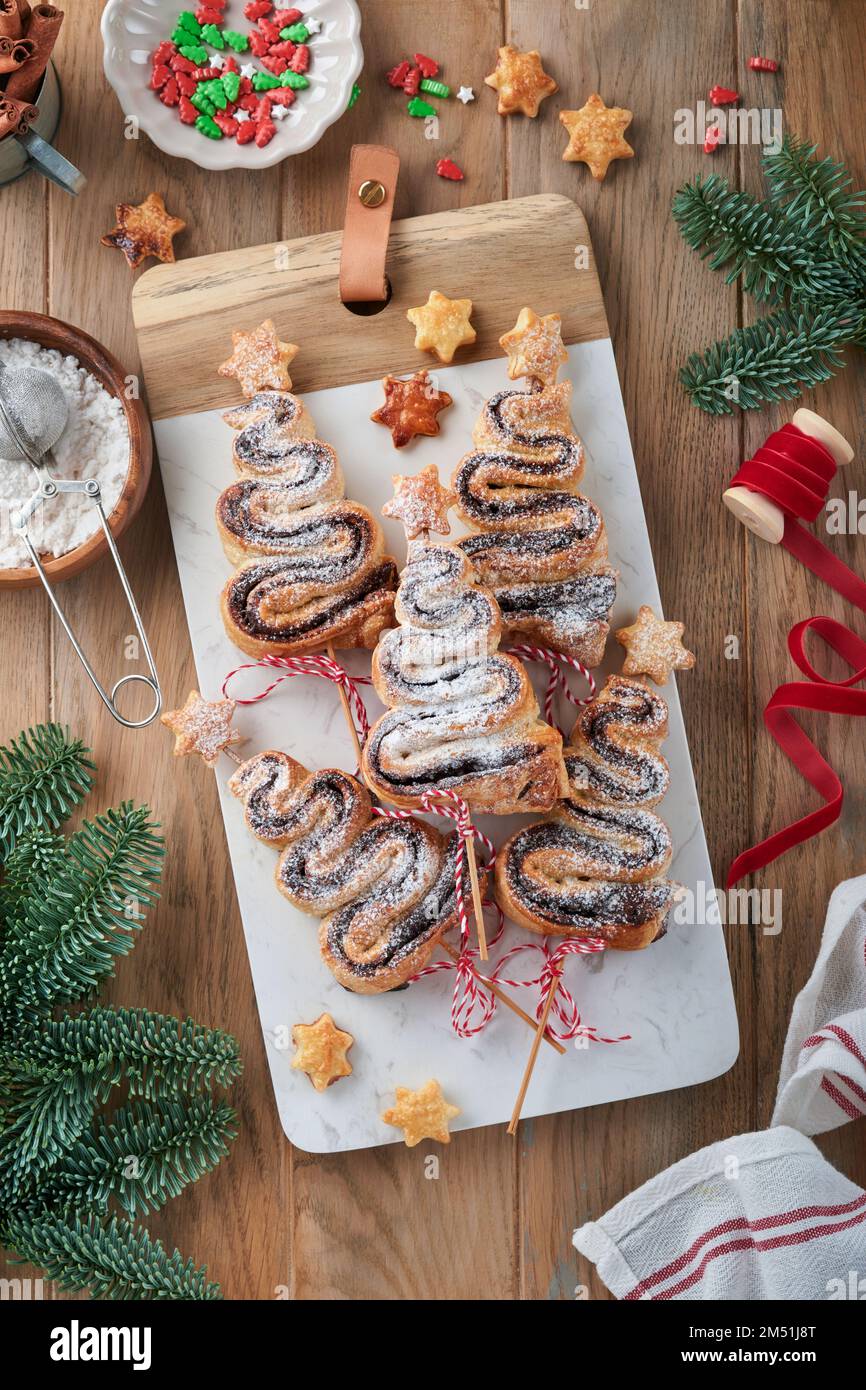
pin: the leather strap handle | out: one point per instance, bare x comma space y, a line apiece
373, 169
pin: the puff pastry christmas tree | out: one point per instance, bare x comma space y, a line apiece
462, 715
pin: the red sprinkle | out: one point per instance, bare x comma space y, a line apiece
180, 64
429, 67
282, 50
711, 141
723, 96
763, 64
262, 109
207, 15
205, 74
270, 31
187, 111
265, 132
159, 77
282, 96
245, 87
397, 76
447, 169
227, 124
231, 64
283, 18
412, 82
246, 132
249, 101
258, 44
165, 51
275, 65
170, 96
301, 58
256, 8
186, 83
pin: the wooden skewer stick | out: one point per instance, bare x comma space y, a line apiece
476, 900
533, 1053
503, 997
347, 709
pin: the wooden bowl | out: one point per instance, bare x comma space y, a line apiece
53, 333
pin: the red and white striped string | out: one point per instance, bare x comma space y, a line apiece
315, 665
556, 681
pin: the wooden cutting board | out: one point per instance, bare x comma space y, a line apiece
186, 311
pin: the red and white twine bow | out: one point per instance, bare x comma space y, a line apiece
556, 681
564, 1005
315, 665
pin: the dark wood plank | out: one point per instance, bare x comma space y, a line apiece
661, 304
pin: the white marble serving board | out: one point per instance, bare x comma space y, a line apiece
675, 999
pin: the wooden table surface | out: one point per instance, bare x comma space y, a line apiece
273, 1221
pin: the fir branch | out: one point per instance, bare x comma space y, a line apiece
37, 853
143, 1156
42, 1115
113, 1259
773, 359
82, 918
43, 774
756, 243
816, 196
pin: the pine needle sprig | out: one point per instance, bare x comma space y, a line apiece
83, 919
113, 1258
753, 242
141, 1157
774, 359
43, 774
816, 194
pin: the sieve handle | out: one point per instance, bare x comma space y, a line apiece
92, 492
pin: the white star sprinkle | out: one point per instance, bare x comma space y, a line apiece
314, 26
242, 116
278, 112
216, 60
248, 69
465, 94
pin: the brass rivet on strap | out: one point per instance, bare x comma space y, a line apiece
372, 193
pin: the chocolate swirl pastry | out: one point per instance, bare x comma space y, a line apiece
596, 867
539, 545
327, 579
463, 715
383, 888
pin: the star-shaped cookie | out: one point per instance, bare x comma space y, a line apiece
442, 325
202, 726
534, 346
260, 360
322, 1048
653, 647
411, 406
144, 229
421, 1114
421, 503
595, 135
520, 81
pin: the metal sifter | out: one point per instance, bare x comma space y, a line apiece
33, 414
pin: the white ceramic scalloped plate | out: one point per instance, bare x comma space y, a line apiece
131, 30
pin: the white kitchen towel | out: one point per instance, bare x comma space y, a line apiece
823, 1079
758, 1216
764, 1216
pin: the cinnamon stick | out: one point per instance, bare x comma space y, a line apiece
15, 116
14, 52
10, 20
43, 26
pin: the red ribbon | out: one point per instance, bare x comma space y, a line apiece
795, 471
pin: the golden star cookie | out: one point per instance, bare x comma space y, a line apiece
322, 1048
202, 726
144, 229
653, 647
442, 325
421, 1114
260, 361
421, 503
520, 81
410, 407
534, 346
595, 135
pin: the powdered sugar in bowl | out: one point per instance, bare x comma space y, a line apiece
107, 436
